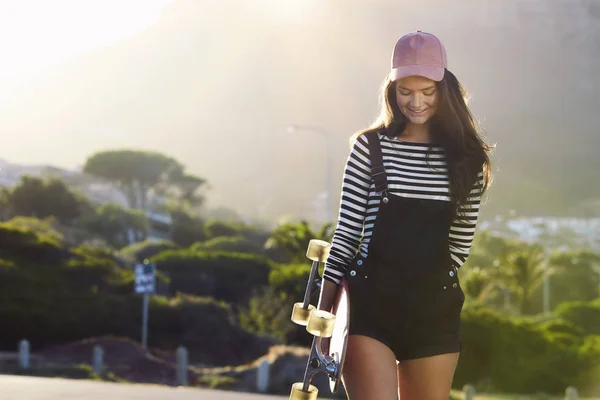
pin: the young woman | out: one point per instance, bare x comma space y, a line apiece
410, 199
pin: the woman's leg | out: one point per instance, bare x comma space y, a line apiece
369, 370
428, 378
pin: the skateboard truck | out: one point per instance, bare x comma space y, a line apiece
321, 324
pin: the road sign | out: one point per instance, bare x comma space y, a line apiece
145, 283
145, 278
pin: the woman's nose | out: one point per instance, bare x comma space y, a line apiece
416, 100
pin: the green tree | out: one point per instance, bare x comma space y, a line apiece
182, 189
478, 284
4, 203
113, 223
577, 276
293, 239
137, 173
522, 271
487, 248
187, 228
35, 197
267, 313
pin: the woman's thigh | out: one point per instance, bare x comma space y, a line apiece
428, 378
369, 371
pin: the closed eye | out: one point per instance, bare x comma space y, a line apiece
429, 91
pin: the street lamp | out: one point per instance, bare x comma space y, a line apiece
294, 128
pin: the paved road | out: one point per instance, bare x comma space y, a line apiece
28, 388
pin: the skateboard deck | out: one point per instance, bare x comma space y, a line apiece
339, 337
332, 324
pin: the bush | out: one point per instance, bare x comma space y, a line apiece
267, 313
147, 249
589, 380
238, 244
269, 310
186, 229
518, 355
290, 281
230, 277
214, 228
44, 228
207, 328
25, 243
88, 271
83, 292
583, 314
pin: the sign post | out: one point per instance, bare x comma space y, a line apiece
145, 283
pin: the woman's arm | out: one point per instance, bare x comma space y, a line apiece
349, 229
462, 230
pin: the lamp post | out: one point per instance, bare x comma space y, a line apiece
327, 136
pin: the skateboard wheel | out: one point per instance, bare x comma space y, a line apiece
300, 315
299, 394
318, 250
321, 323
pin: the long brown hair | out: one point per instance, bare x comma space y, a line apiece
451, 127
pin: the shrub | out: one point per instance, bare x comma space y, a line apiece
214, 228
518, 355
84, 292
238, 244
186, 229
206, 327
267, 313
230, 277
25, 243
138, 252
290, 280
583, 314
589, 380
44, 228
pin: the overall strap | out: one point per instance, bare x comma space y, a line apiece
377, 168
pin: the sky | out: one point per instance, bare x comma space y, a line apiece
307, 62
36, 34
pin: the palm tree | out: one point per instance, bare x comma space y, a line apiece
522, 271
477, 284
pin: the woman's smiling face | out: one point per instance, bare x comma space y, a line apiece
417, 98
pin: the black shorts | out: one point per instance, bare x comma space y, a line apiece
414, 319
409, 343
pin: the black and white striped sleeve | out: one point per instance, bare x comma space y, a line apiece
353, 207
462, 230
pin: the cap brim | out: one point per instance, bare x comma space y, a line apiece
426, 71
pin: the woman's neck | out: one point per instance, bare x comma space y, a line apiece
416, 133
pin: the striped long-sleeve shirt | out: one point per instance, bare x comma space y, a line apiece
409, 174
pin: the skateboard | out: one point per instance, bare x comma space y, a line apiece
322, 324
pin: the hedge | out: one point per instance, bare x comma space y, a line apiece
523, 356
227, 276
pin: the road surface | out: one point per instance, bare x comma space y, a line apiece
33, 388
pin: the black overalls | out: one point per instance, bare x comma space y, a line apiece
406, 293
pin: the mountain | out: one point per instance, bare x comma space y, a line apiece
215, 84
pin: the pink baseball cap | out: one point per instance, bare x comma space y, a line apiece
419, 53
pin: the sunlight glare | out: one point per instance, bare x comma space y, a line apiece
35, 34
286, 9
